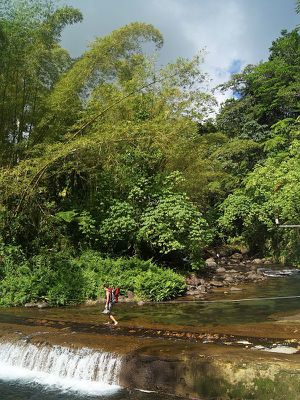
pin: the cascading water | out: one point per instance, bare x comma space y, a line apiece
81, 370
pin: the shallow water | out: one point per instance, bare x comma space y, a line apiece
221, 308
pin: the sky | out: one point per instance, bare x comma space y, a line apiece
233, 33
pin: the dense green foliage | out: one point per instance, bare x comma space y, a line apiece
59, 278
268, 103
107, 162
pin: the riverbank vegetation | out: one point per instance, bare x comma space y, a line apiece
108, 162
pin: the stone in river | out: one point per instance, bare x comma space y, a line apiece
210, 262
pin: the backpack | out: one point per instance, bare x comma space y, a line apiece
115, 295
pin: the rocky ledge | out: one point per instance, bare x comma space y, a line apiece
228, 272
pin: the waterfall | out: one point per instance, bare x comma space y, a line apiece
83, 370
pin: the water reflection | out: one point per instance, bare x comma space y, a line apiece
195, 313
19, 391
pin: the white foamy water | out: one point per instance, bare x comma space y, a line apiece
278, 349
82, 370
282, 349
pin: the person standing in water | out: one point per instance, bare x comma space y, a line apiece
109, 303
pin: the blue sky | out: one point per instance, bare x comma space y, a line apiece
233, 33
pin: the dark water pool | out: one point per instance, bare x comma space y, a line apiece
19, 391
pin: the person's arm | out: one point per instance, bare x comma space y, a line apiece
106, 297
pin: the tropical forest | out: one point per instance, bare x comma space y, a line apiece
115, 169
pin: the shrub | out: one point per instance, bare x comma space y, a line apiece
61, 279
47, 276
144, 278
159, 284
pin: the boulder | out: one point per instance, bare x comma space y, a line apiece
202, 289
211, 263
193, 280
252, 276
192, 292
257, 261
30, 305
244, 250
236, 256
216, 283
220, 270
229, 278
43, 304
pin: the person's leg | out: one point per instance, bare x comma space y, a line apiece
113, 319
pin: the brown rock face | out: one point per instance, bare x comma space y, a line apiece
150, 373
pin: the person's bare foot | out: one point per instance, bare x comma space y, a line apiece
116, 323
107, 323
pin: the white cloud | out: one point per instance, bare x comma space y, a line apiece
229, 30
219, 28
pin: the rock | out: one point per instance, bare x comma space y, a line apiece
210, 262
193, 280
202, 289
130, 295
220, 270
237, 256
268, 262
229, 278
257, 261
235, 289
252, 276
43, 304
216, 283
141, 303
191, 292
244, 250
30, 305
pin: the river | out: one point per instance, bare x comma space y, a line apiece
56, 353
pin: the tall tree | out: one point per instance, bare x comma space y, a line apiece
103, 150
266, 93
31, 62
